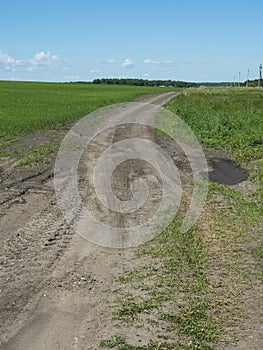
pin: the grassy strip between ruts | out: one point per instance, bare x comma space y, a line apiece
191, 289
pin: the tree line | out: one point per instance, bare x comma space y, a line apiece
144, 82
252, 83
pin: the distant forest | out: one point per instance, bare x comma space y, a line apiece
144, 82
252, 83
167, 83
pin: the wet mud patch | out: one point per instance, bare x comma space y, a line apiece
226, 171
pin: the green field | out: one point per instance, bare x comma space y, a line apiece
27, 107
224, 119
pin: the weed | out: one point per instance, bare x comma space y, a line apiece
114, 341
33, 154
226, 119
29, 159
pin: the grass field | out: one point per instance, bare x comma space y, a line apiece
27, 107
225, 119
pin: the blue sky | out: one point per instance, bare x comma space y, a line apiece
192, 40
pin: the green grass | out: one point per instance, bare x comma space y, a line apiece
181, 264
159, 346
114, 341
27, 107
224, 119
32, 154
119, 342
180, 268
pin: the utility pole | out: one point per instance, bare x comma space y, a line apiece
234, 80
247, 77
260, 76
239, 75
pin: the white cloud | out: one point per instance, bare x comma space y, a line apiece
43, 60
5, 59
9, 63
110, 61
128, 63
150, 61
146, 75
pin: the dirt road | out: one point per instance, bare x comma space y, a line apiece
55, 286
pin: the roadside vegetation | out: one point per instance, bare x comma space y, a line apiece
195, 290
229, 119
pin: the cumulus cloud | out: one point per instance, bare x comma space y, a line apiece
128, 63
5, 59
44, 60
151, 61
8, 63
110, 61
41, 61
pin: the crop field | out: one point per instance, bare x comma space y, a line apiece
27, 107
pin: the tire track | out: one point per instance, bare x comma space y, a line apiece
51, 279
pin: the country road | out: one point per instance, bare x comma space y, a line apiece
55, 285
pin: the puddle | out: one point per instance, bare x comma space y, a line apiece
226, 172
